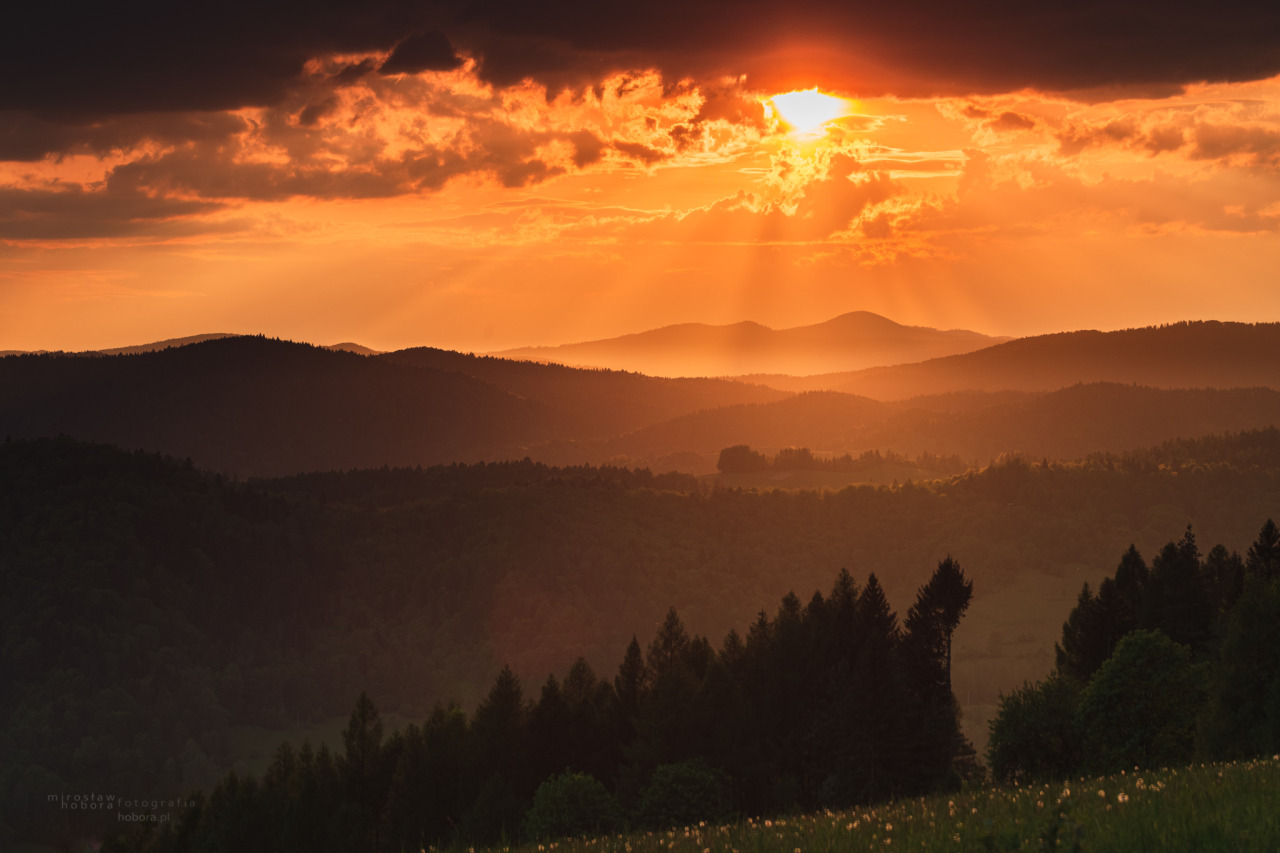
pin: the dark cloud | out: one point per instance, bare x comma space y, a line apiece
221, 171
70, 211
587, 148
912, 47
639, 152
27, 137
1010, 121
102, 59
428, 51
1255, 146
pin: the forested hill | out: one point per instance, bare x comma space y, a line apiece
254, 405
149, 605
1181, 355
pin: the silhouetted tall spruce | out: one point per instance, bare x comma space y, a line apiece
824, 704
1199, 675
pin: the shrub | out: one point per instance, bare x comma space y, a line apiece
569, 805
685, 793
1034, 736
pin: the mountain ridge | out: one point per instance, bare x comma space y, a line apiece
857, 339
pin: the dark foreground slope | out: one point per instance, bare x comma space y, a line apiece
150, 606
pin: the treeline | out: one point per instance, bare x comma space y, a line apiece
741, 459
1164, 663
825, 704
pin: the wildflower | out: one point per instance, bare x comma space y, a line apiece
1102, 794
888, 827
1122, 797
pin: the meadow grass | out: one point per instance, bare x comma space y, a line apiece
1206, 807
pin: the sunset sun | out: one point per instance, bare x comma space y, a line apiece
809, 110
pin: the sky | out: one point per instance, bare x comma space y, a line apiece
485, 175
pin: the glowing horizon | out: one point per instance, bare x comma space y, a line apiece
400, 198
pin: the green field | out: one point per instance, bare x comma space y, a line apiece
1205, 807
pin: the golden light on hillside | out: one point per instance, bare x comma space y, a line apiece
808, 111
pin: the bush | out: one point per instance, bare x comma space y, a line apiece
569, 805
685, 793
1033, 735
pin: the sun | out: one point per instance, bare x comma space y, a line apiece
809, 111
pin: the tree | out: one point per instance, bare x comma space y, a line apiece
1176, 600
1263, 559
932, 620
1244, 712
366, 769
741, 459
930, 625
1140, 708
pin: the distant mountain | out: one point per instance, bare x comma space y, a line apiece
848, 342
159, 345
1183, 355
181, 342
348, 346
592, 403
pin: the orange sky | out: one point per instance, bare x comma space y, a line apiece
449, 207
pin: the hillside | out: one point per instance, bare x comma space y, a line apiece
1183, 355
591, 403
256, 406
848, 342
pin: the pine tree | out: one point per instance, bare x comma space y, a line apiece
1263, 559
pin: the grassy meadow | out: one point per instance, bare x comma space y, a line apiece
1205, 807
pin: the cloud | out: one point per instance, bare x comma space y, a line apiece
160, 56
428, 51
74, 212
1011, 122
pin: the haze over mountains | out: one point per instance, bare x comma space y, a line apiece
254, 406
849, 342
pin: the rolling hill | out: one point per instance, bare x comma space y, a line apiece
1182, 355
255, 406
592, 403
